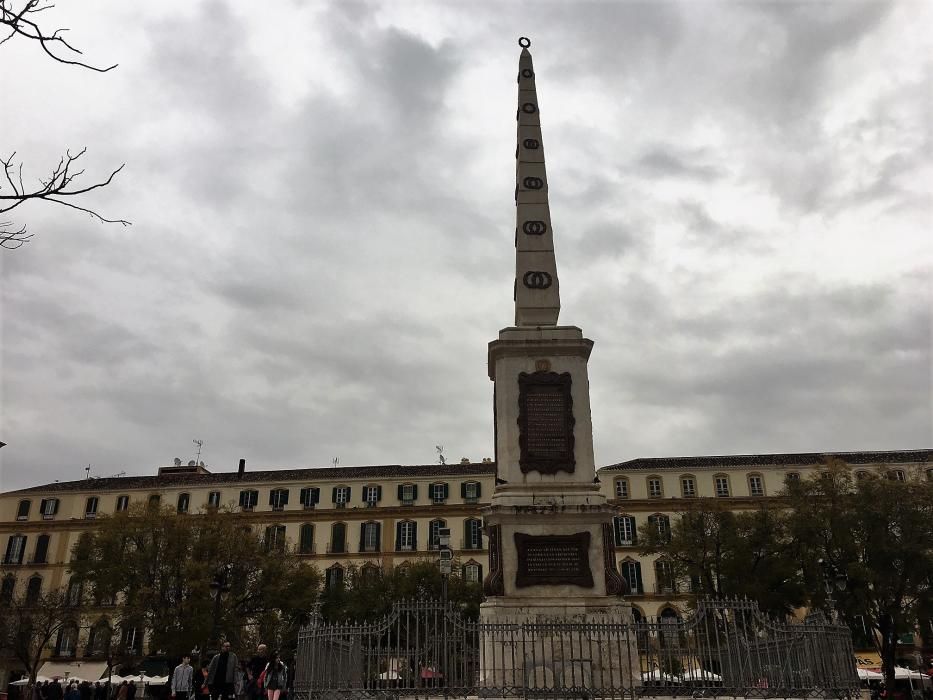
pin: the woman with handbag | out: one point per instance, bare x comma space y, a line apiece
274, 678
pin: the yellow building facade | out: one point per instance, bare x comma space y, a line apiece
388, 515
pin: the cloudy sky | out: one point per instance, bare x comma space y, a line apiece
321, 248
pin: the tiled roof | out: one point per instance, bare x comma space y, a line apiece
795, 459
386, 471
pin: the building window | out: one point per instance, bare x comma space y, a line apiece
406, 536
33, 590
631, 572
338, 538
341, 496
213, 499
184, 499
369, 572
929, 474
688, 486
622, 488
861, 475
22, 510
791, 478
154, 500
48, 507
123, 502
333, 577
309, 497
7, 589
248, 499
278, 499
434, 535
623, 528
369, 537
472, 572
756, 485
15, 547
472, 534
98, 640
439, 493
90, 507
896, 475
664, 576
655, 489
470, 491
75, 593
40, 556
275, 538
306, 539
662, 525
131, 639
721, 483
67, 640
407, 494
372, 495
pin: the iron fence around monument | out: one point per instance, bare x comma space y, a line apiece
426, 649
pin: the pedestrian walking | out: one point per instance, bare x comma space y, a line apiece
256, 665
131, 690
183, 680
123, 691
221, 673
275, 678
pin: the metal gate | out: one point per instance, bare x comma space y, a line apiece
425, 649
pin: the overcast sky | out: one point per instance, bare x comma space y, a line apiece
322, 207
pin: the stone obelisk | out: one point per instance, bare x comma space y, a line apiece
551, 552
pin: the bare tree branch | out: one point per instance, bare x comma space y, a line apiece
60, 183
21, 22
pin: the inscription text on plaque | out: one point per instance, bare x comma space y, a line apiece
553, 560
545, 421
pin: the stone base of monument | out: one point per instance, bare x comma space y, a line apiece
563, 642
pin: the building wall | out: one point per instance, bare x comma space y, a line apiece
639, 500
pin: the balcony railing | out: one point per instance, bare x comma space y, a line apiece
471, 543
336, 548
370, 548
307, 549
471, 500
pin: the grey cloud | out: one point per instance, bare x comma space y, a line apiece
660, 161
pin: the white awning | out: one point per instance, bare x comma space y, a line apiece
87, 670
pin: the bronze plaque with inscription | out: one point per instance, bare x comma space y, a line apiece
545, 422
553, 560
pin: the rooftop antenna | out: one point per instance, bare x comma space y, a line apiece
198, 443
87, 471
441, 459
336, 461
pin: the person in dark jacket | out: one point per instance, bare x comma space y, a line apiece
276, 678
221, 673
256, 665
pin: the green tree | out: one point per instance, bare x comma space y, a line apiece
722, 552
28, 625
368, 595
879, 534
190, 579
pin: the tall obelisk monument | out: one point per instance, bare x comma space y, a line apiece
551, 550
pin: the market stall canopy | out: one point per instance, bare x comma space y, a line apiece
867, 675
83, 670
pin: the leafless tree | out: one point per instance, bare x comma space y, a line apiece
22, 19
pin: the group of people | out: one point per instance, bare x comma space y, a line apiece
53, 690
226, 677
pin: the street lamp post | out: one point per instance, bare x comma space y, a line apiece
445, 561
833, 579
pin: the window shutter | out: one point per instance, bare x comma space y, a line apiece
362, 536
42, 506
55, 506
479, 489
284, 500
378, 537
414, 492
462, 489
641, 586
414, 535
379, 492
349, 491
333, 498
463, 571
401, 491
242, 498
9, 549
398, 533
480, 579
305, 496
272, 495
634, 531
315, 495
446, 491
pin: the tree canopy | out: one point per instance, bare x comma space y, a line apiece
30, 622
190, 579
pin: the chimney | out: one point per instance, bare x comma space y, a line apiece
241, 469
